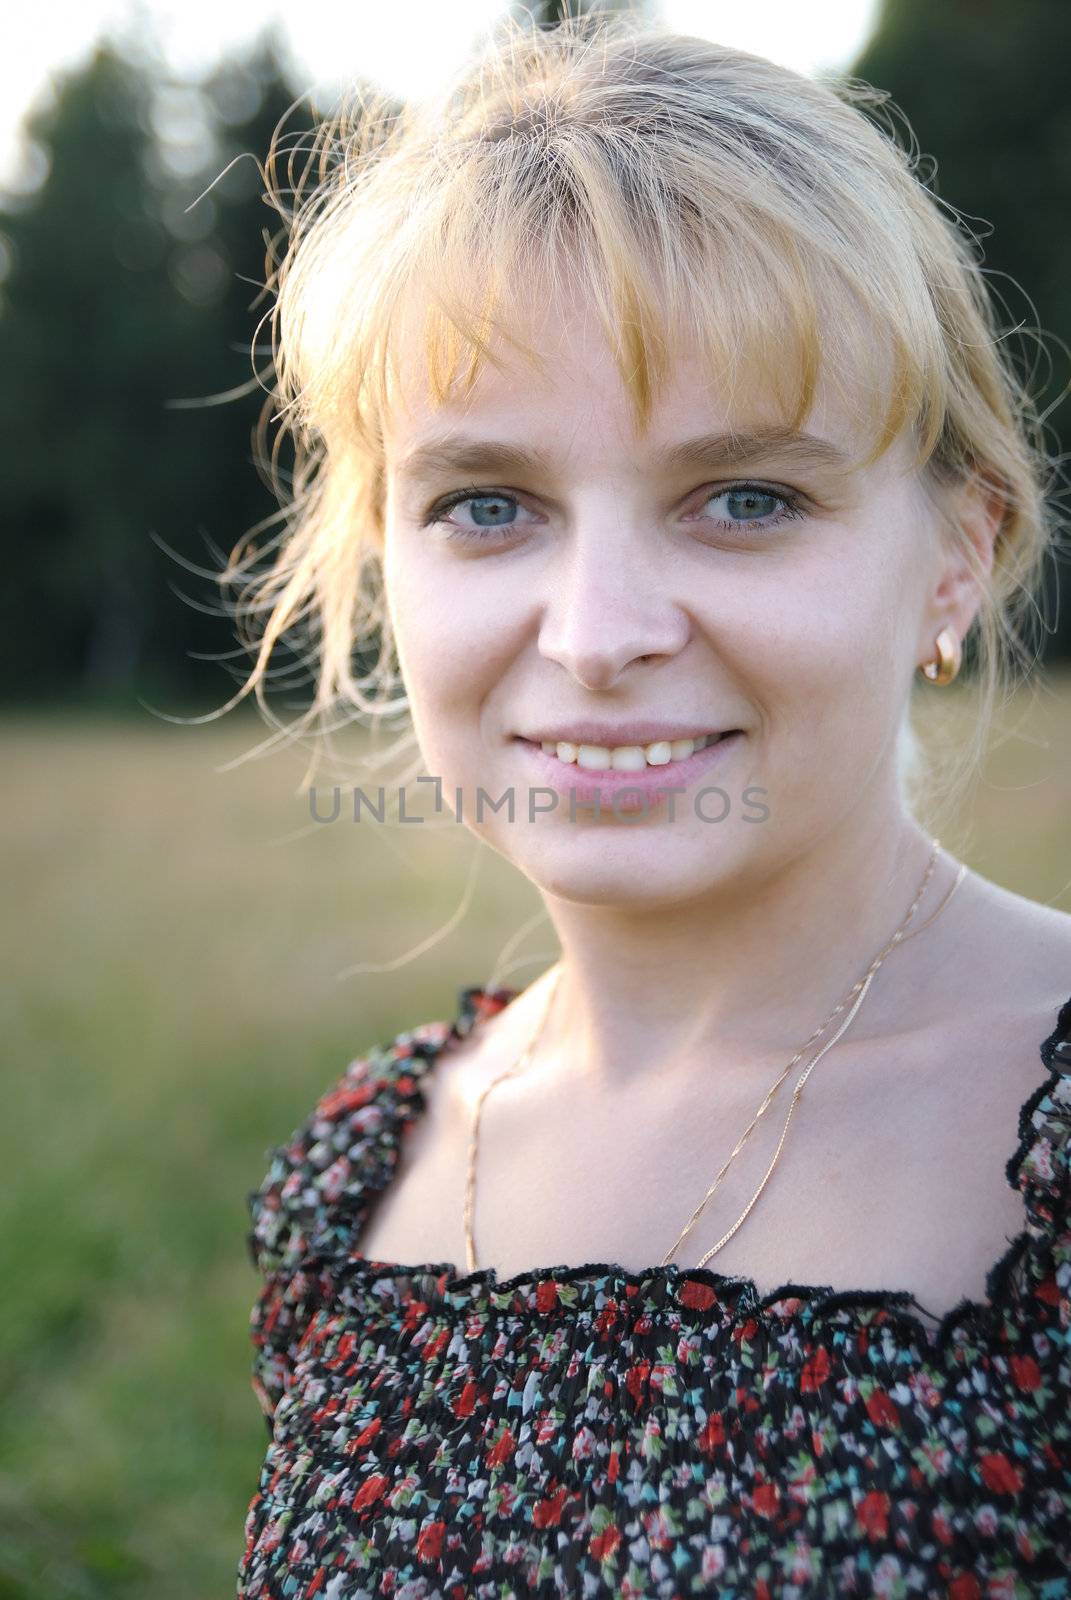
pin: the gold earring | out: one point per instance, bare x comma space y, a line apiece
949, 657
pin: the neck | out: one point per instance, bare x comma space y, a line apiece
746, 971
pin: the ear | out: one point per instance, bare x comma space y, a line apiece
976, 512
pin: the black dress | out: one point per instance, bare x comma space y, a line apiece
592, 1432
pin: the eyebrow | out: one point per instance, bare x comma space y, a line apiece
461, 452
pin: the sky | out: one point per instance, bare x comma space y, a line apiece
404, 45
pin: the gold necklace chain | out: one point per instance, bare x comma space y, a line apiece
863, 986
859, 989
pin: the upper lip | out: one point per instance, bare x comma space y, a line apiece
610, 735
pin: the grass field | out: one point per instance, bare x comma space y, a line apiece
176, 935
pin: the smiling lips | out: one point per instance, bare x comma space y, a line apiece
628, 777
626, 757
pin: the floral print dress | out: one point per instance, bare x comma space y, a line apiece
592, 1432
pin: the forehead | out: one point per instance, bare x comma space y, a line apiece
563, 399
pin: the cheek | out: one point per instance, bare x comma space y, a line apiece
454, 620
824, 661
788, 641
418, 618
845, 613
442, 651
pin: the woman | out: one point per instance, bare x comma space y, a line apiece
661, 410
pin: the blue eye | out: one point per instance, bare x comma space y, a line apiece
748, 503
753, 508
489, 510
490, 505
749, 507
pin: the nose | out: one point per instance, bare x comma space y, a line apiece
607, 610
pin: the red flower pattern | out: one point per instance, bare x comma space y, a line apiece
710, 1438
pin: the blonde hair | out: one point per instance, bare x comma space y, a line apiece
694, 192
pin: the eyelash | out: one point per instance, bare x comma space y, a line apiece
791, 504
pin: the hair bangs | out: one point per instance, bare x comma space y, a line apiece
771, 320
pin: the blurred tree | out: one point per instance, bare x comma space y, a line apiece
121, 298
226, 223
984, 86
85, 320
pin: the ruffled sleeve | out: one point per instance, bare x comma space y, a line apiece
308, 1213
1042, 1168
309, 1209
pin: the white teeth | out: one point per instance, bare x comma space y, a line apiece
627, 757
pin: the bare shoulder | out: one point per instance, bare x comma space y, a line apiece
1020, 948
973, 999
993, 987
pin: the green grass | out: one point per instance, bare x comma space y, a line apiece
172, 1009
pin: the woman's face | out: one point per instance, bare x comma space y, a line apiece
781, 593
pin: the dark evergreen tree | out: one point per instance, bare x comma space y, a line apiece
124, 307
983, 84
85, 325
